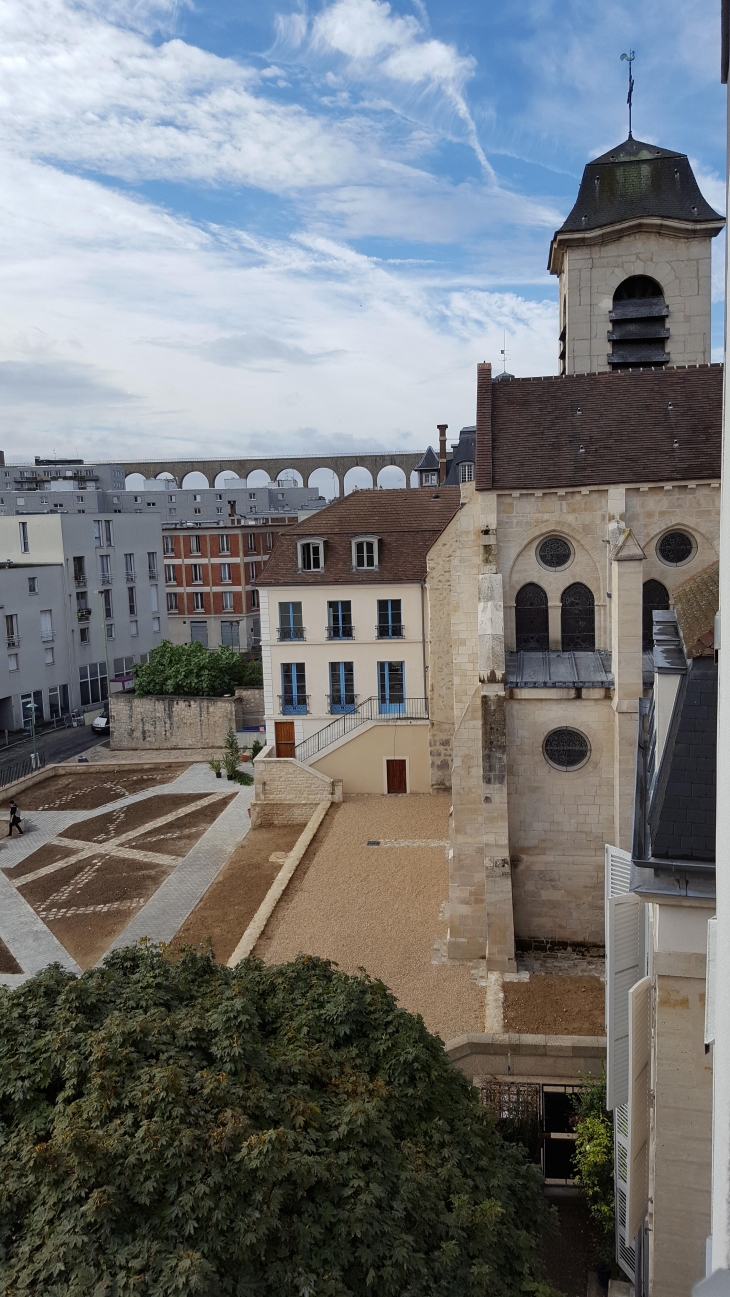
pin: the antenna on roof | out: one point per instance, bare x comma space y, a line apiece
629, 58
504, 353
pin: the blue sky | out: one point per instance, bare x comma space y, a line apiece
228, 226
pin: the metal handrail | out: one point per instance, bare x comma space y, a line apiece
106, 580
153, 574
344, 632
372, 709
47, 636
287, 633
130, 578
396, 631
298, 704
342, 707
80, 582
13, 641
83, 614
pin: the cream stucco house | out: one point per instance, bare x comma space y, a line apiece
344, 617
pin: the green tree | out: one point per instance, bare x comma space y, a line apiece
192, 669
185, 1128
594, 1159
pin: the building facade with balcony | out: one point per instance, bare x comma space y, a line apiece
82, 600
344, 635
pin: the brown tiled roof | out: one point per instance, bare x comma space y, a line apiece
695, 602
633, 426
407, 521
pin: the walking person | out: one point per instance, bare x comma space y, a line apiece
14, 819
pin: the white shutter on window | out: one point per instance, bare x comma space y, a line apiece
637, 1195
618, 871
623, 915
710, 982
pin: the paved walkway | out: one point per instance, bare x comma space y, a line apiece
25, 934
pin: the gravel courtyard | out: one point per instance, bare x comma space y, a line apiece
378, 907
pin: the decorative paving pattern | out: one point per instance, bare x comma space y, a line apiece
76, 875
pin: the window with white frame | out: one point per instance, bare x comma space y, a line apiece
311, 555
171, 601
155, 625
254, 598
365, 552
168, 544
171, 574
228, 601
225, 572
466, 471
154, 599
24, 542
198, 602
49, 657
196, 573
194, 544
224, 544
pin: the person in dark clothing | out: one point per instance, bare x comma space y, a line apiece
14, 819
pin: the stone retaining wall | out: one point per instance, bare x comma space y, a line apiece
167, 721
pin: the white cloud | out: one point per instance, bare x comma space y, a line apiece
93, 280
387, 50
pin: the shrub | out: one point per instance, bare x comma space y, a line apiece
186, 1128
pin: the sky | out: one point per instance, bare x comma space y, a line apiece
242, 226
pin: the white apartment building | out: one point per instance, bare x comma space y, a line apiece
82, 600
344, 638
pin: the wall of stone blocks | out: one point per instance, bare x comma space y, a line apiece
559, 820
681, 1162
592, 273
169, 722
439, 654
288, 792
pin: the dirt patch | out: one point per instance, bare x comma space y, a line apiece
230, 903
180, 836
555, 1006
49, 854
8, 964
125, 818
85, 790
378, 907
570, 1253
87, 905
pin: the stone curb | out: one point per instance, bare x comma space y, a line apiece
278, 887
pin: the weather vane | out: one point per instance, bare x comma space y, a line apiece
629, 58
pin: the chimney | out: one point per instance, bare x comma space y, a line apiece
484, 457
442, 452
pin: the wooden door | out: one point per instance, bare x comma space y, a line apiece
396, 776
284, 738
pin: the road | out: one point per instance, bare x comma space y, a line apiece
58, 745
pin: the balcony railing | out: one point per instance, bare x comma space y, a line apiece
83, 614
293, 704
396, 630
153, 574
48, 636
341, 706
372, 709
291, 632
12, 641
129, 578
80, 582
340, 632
106, 578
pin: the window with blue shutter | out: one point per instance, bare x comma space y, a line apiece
293, 689
342, 687
391, 687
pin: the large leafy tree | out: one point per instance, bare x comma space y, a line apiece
192, 670
182, 1128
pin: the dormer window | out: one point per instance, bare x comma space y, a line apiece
430, 479
466, 471
311, 555
365, 553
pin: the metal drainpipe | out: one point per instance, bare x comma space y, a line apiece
423, 641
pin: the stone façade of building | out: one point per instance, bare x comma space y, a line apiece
596, 495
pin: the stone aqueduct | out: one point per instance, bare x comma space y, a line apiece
304, 465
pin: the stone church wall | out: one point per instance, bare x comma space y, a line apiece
559, 820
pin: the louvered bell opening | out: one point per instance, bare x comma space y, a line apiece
638, 332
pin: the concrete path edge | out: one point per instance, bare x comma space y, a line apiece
278, 887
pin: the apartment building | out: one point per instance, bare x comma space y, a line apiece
82, 601
235, 502
209, 575
344, 639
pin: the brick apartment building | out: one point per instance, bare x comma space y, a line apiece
209, 574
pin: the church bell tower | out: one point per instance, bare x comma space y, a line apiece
633, 262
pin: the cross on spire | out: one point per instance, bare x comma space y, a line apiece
629, 58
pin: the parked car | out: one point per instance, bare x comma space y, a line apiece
101, 723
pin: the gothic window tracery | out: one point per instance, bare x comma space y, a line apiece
577, 618
531, 618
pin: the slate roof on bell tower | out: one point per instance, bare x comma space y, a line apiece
635, 180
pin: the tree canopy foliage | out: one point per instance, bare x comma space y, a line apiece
594, 1159
192, 670
185, 1128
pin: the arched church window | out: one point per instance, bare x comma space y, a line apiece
531, 618
577, 618
638, 332
655, 599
